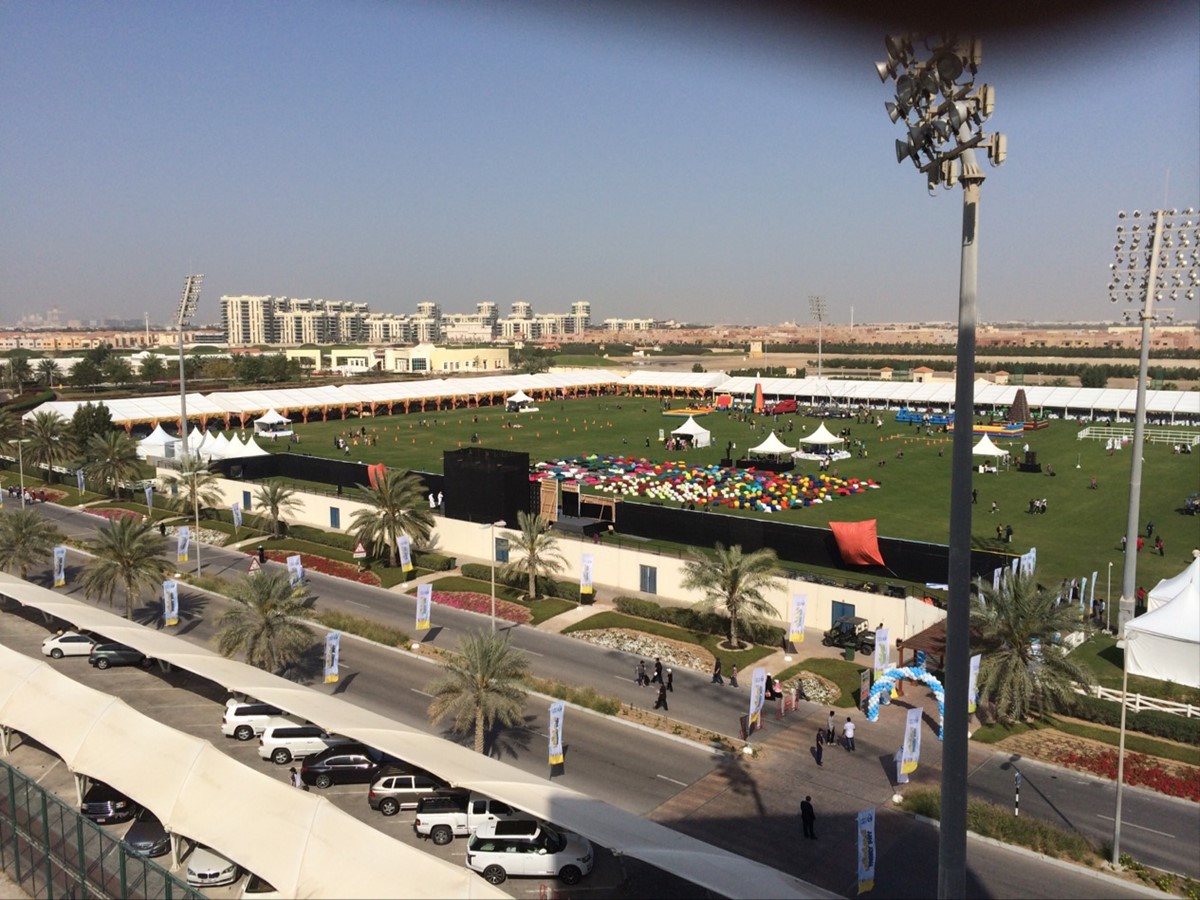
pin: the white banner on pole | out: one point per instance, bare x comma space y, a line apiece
424, 605
149, 497
60, 565
1083, 593
585, 574
182, 540
1095, 578
236, 509
295, 570
973, 684
911, 751
866, 850
758, 694
799, 608
404, 545
79, 479
170, 602
333, 654
555, 737
883, 652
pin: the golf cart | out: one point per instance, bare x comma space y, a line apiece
850, 631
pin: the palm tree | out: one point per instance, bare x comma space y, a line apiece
397, 506
264, 621
126, 555
733, 583
274, 499
195, 486
113, 460
1024, 670
48, 372
537, 549
49, 441
26, 539
19, 371
480, 685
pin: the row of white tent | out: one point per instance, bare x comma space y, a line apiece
203, 443
1182, 405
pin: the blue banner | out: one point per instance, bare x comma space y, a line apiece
79, 479
237, 515
171, 602
149, 497
60, 565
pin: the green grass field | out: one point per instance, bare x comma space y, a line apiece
1078, 535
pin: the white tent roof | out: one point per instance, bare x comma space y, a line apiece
157, 438
178, 782
985, 447
217, 448
1170, 588
249, 447
821, 436
270, 417
519, 397
1165, 643
771, 445
692, 428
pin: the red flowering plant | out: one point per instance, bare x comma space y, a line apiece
482, 603
326, 566
115, 513
1140, 769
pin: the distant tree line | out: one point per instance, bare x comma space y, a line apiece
909, 351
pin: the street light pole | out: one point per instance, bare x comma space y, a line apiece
817, 307
21, 468
491, 526
943, 113
188, 301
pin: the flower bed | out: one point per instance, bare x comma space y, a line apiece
482, 603
675, 654
113, 514
327, 566
1142, 770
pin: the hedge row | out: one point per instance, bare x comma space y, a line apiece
1147, 721
547, 587
321, 536
703, 622
436, 562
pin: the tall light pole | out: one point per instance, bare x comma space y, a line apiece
817, 306
1153, 263
943, 112
492, 526
188, 301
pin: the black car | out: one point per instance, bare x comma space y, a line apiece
146, 836
104, 804
105, 655
345, 764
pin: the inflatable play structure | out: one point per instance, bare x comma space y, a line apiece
689, 411
883, 687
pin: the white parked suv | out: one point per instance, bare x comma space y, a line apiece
246, 719
283, 740
521, 847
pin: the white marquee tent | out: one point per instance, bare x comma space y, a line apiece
695, 432
822, 437
772, 446
155, 444
1170, 588
985, 447
272, 422
1165, 642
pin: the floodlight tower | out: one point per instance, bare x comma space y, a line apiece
189, 299
1154, 262
817, 306
943, 112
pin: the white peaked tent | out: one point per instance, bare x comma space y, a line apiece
1165, 643
772, 446
272, 422
520, 398
985, 447
217, 447
693, 430
249, 447
155, 444
1170, 588
822, 437
196, 439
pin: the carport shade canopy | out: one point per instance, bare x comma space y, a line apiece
710, 867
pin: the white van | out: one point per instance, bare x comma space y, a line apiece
522, 847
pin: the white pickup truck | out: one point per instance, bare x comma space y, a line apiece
447, 814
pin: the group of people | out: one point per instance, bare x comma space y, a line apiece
1037, 506
29, 495
665, 679
828, 735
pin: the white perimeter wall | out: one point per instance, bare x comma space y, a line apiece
618, 569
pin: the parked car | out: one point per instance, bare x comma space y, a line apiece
345, 764
104, 804
443, 815
394, 791
521, 847
245, 719
282, 740
69, 643
146, 836
208, 868
258, 889
850, 631
105, 655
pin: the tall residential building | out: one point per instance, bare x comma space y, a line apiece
522, 310
248, 320
581, 317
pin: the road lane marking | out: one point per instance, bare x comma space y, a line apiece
422, 693
672, 780
1131, 825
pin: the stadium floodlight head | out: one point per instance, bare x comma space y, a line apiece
189, 299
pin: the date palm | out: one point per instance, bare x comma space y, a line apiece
274, 499
126, 557
265, 622
26, 539
48, 372
537, 552
48, 441
1024, 671
480, 686
396, 506
733, 583
195, 486
112, 459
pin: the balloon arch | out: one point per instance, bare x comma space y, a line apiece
888, 679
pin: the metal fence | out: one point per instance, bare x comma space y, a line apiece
50, 850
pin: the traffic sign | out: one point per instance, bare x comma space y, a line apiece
360, 552
254, 566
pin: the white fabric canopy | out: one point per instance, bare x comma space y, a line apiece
155, 444
821, 436
1170, 588
270, 417
700, 436
770, 447
249, 447
519, 397
985, 447
1165, 643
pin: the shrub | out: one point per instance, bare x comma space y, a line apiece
1146, 721
701, 622
587, 697
364, 628
435, 562
321, 536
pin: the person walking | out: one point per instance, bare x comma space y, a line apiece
733, 676
716, 678
661, 702
657, 679
831, 728
642, 680
974, 496
1150, 529
848, 734
294, 777
819, 750
1158, 545
808, 817
670, 681
995, 507
1008, 533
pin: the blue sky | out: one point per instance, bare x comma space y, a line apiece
459, 152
